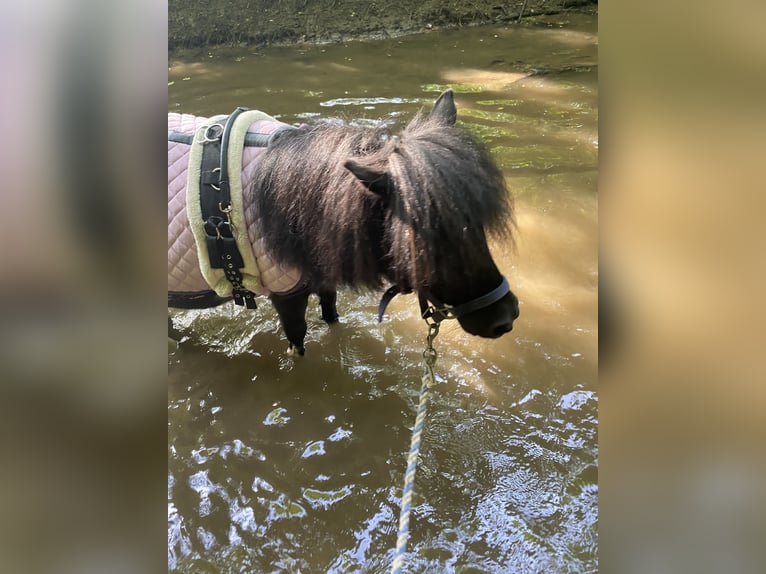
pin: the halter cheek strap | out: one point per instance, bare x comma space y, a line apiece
432, 308
390, 293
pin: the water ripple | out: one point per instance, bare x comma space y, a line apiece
325, 498
366, 101
314, 449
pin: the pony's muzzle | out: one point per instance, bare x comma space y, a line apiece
494, 320
508, 312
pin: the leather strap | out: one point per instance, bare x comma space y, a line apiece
215, 204
432, 308
390, 293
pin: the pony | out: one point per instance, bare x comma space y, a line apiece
359, 207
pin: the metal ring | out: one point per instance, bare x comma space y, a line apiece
214, 186
216, 129
205, 130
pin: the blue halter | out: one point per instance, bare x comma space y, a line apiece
432, 308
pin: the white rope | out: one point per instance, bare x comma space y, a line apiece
412, 458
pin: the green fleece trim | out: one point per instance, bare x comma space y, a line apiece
215, 277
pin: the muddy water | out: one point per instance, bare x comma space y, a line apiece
281, 464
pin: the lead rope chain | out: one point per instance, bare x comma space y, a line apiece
429, 380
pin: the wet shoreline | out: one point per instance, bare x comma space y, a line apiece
259, 23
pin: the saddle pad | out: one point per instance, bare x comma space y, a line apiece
184, 272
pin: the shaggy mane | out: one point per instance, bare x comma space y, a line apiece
439, 193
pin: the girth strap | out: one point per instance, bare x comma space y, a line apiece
215, 203
251, 139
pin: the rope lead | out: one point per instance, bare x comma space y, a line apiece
429, 380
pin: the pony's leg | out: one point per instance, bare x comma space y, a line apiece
327, 301
292, 314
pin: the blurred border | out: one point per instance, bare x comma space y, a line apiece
682, 394
82, 397
82, 303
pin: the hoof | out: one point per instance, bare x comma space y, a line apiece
331, 319
293, 349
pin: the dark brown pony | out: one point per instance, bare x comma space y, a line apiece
359, 207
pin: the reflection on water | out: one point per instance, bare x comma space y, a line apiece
365, 103
290, 464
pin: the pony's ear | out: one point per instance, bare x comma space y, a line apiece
374, 178
444, 108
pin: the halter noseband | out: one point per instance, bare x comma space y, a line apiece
433, 309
